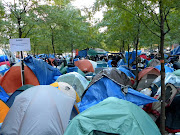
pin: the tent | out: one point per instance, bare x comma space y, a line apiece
105, 88
173, 115
146, 77
82, 53
154, 62
40, 110
3, 111
3, 58
167, 69
177, 72
5, 63
43, 71
11, 81
132, 56
176, 51
113, 116
126, 71
3, 69
77, 81
3, 95
96, 51
10, 101
84, 65
169, 78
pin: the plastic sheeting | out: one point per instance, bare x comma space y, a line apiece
176, 51
132, 56
105, 88
3, 58
167, 69
113, 116
82, 53
40, 110
126, 71
43, 71
3, 95
77, 81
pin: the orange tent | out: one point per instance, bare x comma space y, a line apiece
3, 111
84, 65
148, 70
11, 81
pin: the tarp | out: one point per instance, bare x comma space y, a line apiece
126, 71
167, 69
77, 81
176, 51
43, 71
177, 72
96, 51
132, 56
113, 116
105, 88
40, 110
3, 95
3, 111
82, 53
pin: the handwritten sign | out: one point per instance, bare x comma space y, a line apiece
20, 44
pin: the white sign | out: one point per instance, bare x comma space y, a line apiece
20, 44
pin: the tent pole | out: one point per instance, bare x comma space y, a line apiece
22, 70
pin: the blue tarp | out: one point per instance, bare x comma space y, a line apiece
109, 63
43, 71
105, 88
132, 56
82, 53
126, 71
167, 69
3, 58
176, 51
3, 95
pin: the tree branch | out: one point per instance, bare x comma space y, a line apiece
28, 31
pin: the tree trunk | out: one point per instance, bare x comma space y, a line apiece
162, 117
137, 42
53, 42
72, 52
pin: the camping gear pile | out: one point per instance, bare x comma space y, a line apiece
89, 97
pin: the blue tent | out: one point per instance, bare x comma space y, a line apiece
109, 63
3, 58
105, 88
167, 69
126, 71
176, 51
3, 95
43, 71
82, 53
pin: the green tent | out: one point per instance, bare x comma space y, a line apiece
177, 72
113, 116
96, 51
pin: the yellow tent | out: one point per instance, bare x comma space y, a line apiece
3, 111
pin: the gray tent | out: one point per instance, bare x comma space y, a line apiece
40, 110
154, 62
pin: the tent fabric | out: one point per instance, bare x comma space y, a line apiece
10, 101
132, 56
82, 53
113, 74
167, 69
3, 69
105, 88
43, 71
77, 81
173, 115
96, 51
177, 72
126, 71
3, 95
84, 65
154, 62
3, 58
5, 63
148, 70
176, 51
11, 81
143, 56
40, 110
113, 116
3, 111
